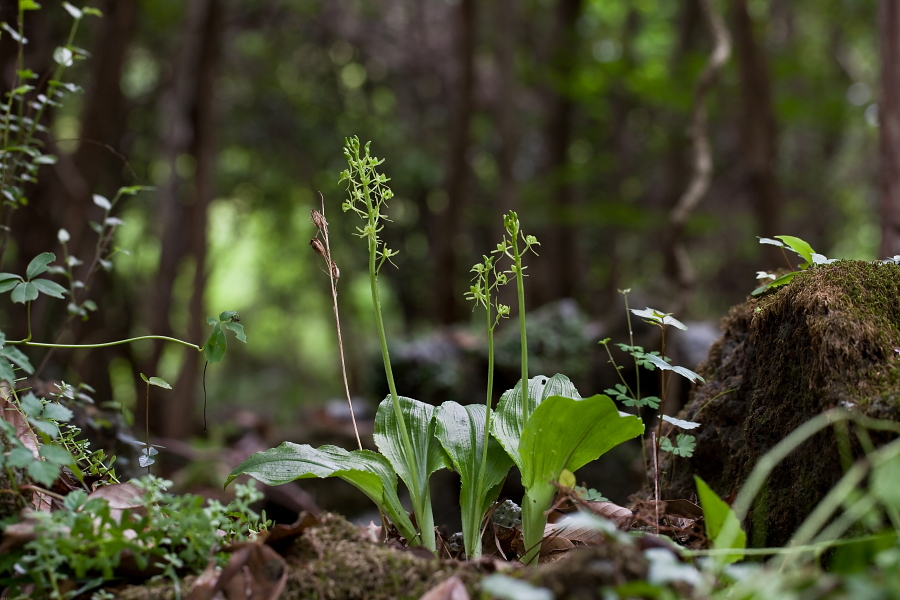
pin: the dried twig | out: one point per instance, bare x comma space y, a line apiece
324, 250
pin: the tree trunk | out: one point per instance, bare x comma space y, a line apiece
758, 130
189, 118
447, 299
559, 271
505, 110
889, 126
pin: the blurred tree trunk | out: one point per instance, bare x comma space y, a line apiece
188, 148
447, 224
758, 131
558, 271
889, 126
506, 23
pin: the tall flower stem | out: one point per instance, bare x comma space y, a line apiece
368, 179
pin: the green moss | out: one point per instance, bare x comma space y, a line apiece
826, 339
333, 561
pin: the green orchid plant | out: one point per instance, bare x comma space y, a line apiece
548, 430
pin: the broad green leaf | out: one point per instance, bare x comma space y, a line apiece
50, 288
507, 424
28, 5
783, 280
7, 285
20, 456
56, 454
370, 472
6, 372
460, 430
227, 315
237, 328
5, 276
214, 348
97, 13
56, 411
18, 357
800, 247
39, 264
565, 433
30, 405
24, 292
722, 525
568, 433
429, 455
160, 382
44, 472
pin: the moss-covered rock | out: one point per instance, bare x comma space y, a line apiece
829, 338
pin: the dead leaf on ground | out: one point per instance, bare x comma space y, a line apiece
451, 589
281, 535
621, 516
18, 534
120, 497
254, 572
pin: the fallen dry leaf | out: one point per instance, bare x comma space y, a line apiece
254, 572
451, 589
282, 535
18, 534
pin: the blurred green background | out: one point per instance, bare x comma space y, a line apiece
571, 112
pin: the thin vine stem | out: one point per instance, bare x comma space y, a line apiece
106, 344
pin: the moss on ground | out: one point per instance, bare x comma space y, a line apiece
829, 338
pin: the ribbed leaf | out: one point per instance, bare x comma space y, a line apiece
507, 425
429, 455
460, 429
368, 471
565, 433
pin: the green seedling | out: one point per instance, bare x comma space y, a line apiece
148, 451
801, 248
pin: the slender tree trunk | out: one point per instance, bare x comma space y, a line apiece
506, 18
559, 268
183, 199
759, 135
889, 126
447, 299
